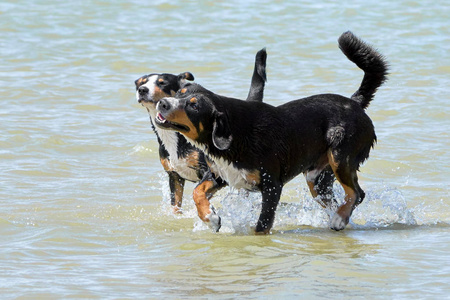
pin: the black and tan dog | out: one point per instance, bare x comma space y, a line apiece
259, 147
180, 159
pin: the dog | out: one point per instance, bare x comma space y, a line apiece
180, 159
260, 147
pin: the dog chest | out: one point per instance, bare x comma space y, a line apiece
182, 165
235, 177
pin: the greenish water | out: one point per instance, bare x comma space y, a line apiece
84, 209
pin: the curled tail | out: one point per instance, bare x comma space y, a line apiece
256, 92
370, 61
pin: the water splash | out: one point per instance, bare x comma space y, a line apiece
141, 149
188, 209
384, 206
239, 211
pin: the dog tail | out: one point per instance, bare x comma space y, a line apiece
256, 92
370, 61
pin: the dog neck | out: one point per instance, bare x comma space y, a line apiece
167, 137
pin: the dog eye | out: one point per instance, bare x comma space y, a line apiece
194, 106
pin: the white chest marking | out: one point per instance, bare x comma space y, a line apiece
170, 140
236, 178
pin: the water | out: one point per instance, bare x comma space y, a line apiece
84, 207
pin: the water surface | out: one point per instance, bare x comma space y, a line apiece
84, 209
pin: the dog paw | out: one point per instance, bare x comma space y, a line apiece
176, 209
338, 223
215, 222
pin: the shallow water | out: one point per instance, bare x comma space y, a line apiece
84, 209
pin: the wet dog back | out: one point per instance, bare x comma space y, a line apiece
261, 147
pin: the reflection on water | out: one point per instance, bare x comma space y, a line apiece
84, 210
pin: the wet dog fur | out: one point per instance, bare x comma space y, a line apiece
260, 147
180, 159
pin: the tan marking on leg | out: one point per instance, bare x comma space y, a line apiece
333, 163
253, 177
346, 209
166, 164
322, 163
201, 199
311, 189
179, 188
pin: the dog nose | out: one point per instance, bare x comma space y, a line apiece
163, 105
143, 90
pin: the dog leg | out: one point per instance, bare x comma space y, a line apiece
320, 182
324, 186
270, 198
204, 191
176, 184
348, 179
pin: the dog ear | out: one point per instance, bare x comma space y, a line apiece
221, 134
185, 76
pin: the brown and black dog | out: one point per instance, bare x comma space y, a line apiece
180, 159
260, 147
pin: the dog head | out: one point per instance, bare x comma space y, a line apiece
153, 87
194, 113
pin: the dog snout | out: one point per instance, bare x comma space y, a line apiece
143, 90
164, 105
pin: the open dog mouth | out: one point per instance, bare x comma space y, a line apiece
164, 123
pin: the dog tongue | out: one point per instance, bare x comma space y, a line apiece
160, 118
